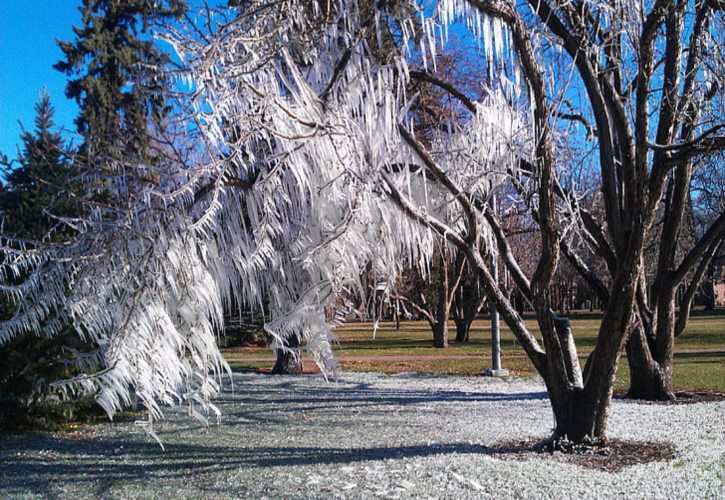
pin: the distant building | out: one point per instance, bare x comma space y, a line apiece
718, 285
719, 290
716, 279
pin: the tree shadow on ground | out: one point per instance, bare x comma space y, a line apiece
101, 463
34, 462
300, 397
361, 394
46, 460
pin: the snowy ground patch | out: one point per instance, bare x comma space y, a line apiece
366, 435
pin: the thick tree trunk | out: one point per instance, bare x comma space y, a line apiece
650, 378
580, 402
289, 360
580, 418
440, 331
463, 329
590, 406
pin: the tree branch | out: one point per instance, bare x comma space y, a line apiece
440, 175
425, 76
576, 117
693, 287
716, 232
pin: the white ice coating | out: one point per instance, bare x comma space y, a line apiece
285, 209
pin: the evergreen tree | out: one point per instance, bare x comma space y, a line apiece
113, 68
34, 193
31, 192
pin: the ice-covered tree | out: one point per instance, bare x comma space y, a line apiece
309, 166
340, 63
33, 195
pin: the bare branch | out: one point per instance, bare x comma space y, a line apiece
715, 233
426, 76
694, 285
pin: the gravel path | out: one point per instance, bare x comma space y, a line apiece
367, 435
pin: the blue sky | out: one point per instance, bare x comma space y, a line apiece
28, 32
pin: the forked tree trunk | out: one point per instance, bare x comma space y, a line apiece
580, 410
463, 329
289, 360
466, 306
651, 344
581, 401
580, 417
447, 286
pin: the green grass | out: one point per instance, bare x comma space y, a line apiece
692, 371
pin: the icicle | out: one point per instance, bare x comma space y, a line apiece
149, 282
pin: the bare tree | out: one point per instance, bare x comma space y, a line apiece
652, 79
613, 54
432, 294
468, 301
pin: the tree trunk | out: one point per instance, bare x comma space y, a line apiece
580, 402
444, 301
442, 313
650, 378
580, 418
397, 315
463, 328
466, 306
650, 346
440, 331
289, 360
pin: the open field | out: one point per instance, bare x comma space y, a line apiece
699, 352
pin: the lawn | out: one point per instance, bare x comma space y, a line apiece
699, 352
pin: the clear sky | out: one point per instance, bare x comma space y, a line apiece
28, 50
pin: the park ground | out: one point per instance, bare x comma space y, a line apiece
423, 423
369, 435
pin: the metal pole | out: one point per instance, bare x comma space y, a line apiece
495, 325
495, 370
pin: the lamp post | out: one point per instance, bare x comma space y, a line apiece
495, 370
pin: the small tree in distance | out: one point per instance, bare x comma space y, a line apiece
432, 295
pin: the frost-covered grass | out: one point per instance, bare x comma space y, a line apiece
366, 435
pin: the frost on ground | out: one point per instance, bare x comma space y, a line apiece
366, 435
